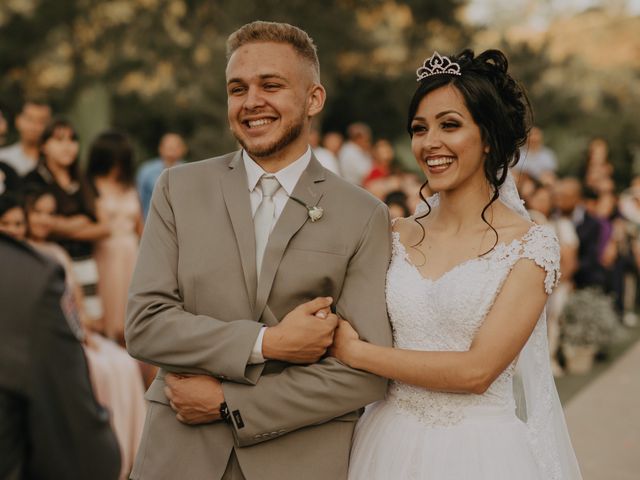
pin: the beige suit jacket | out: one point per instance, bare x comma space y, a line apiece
196, 305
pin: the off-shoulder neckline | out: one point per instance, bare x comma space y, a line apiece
499, 248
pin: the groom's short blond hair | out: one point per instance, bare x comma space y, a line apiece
276, 32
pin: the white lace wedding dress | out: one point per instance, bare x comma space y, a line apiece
421, 434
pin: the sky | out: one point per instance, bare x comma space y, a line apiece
538, 13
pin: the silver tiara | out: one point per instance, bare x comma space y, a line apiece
437, 64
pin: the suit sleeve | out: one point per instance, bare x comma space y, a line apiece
300, 396
69, 431
159, 330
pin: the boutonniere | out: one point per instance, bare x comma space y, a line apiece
314, 212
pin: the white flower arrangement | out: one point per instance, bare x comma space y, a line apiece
588, 318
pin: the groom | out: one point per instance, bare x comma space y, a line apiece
241, 258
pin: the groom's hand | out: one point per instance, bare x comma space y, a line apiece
196, 399
303, 335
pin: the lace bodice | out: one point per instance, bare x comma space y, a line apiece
445, 314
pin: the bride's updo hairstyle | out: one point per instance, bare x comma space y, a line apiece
497, 103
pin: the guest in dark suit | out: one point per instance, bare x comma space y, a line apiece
590, 272
51, 426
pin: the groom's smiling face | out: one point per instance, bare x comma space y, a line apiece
271, 99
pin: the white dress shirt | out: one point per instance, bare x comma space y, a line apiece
288, 178
14, 156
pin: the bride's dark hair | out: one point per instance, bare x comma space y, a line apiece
498, 105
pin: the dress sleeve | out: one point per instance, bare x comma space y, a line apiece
541, 245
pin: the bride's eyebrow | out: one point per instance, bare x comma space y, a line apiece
442, 114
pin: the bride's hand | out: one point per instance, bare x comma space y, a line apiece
345, 339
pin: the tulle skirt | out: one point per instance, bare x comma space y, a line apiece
393, 444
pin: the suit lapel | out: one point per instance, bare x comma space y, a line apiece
236, 197
308, 190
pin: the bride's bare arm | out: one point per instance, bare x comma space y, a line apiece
498, 342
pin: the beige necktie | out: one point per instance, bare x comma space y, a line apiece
265, 215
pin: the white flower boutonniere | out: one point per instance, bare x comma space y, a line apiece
314, 212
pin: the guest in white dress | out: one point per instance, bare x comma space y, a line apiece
466, 289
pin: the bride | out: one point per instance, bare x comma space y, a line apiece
466, 289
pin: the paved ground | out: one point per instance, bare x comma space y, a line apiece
604, 421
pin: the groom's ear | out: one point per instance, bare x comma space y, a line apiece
315, 100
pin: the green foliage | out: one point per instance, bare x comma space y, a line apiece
572, 114
162, 61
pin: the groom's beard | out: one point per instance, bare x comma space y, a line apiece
291, 134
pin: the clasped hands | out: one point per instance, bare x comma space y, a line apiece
303, 336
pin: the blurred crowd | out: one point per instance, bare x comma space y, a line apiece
598, 227
90, 220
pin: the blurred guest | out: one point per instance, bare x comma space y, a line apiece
411, 184
3, 128
606, 211
12, 217
380, 181
397, 203
536, 159
332, 141
540, 207
570, 204
52, 426
629, 206
539, 203
115, 376
326, 158
597, 167
382, 155
110, 171
172, 150
355, 155
75, 227
9, 180
618, 256
525, 184
30, 123
629, 203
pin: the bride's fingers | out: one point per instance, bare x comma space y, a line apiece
345, 325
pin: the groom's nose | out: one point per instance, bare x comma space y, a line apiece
254, 98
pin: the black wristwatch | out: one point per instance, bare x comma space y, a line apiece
224, 413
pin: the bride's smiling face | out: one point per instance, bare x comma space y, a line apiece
446, 141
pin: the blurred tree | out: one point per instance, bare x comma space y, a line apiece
375, 84
162, 61
582, 78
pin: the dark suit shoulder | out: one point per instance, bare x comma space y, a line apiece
25, 278
14, 252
